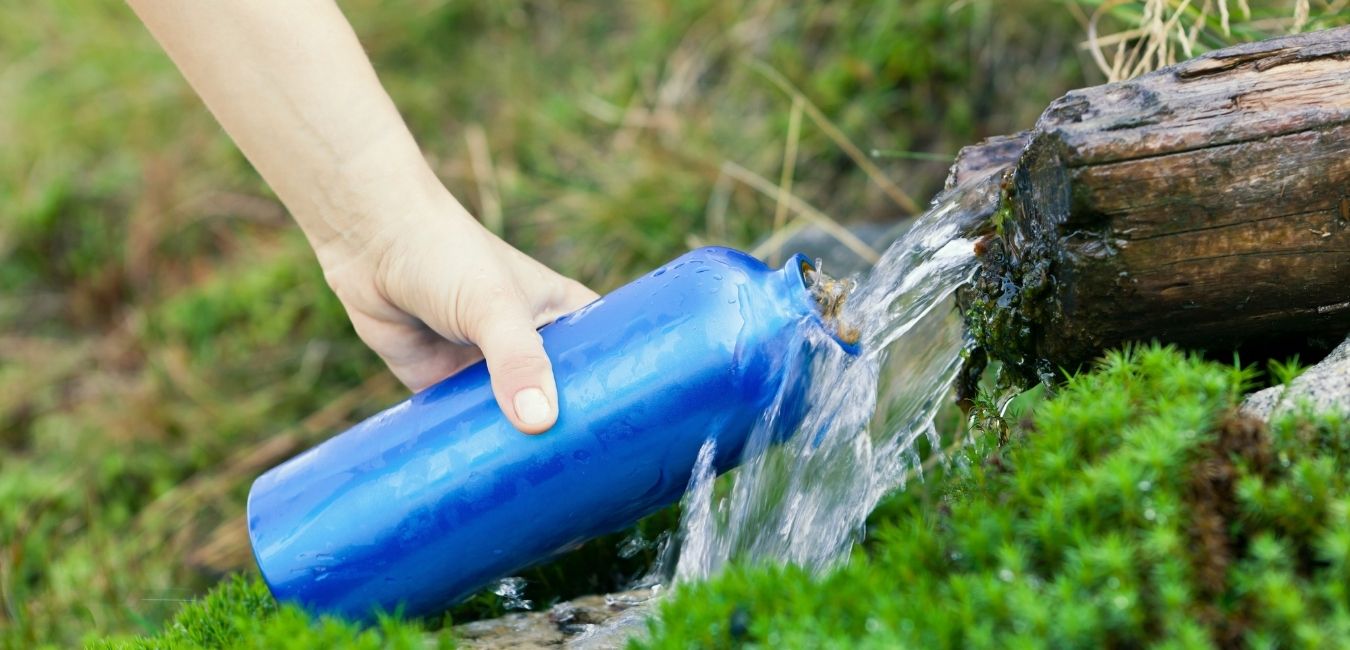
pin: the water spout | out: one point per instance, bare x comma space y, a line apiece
805, 501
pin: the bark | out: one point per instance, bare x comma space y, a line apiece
1206, 204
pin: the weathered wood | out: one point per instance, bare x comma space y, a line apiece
1206, 204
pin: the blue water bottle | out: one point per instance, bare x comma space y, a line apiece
427, 502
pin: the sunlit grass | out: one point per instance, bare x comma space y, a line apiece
1127, 38
165, 334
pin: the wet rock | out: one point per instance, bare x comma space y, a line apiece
1325, 386
522, 630
588, 623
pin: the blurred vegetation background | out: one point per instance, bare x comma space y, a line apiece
165, 334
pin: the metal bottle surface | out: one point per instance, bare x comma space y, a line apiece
423, 504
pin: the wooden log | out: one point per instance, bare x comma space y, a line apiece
1206, 204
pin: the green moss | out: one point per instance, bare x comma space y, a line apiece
1003, 309
240, 613
1134, 507
163, 321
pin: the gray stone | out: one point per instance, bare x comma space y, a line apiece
1325, 387
587, 623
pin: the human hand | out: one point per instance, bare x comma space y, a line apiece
424, 284
440, 292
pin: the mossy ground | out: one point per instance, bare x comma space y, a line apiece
1137, 507
240, 613
165, 334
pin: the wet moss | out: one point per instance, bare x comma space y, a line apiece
1010, 300
240, 613
1134, 508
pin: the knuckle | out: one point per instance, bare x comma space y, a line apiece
523, 364
480, 314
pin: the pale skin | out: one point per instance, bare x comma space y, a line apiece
426, 287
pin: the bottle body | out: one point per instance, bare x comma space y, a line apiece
435, 497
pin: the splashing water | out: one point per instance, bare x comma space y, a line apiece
512, 592
805, 500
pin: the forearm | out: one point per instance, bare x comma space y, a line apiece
292, 86
290, 83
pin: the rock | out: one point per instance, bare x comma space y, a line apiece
588, 623
1325, 386
522, 630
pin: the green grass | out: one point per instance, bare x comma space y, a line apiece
165, 335
240, 613
1133, 508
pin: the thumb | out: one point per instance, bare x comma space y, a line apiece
522, 377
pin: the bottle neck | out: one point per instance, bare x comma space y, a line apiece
821, 296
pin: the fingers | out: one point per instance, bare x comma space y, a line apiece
571, 296
522, 377
576, 295
418, 356
440, 360
492, 298
550, 294
494, 317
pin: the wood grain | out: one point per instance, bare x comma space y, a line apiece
1206, 204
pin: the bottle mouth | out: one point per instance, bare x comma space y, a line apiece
829, 295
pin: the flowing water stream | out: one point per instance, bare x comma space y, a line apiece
805, 501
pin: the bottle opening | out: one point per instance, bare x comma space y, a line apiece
830, 295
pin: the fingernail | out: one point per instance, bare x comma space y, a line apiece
532, 406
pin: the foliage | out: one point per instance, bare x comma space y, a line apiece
1129, 38
240, 613
1134, 507
165, 334
1284, 372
